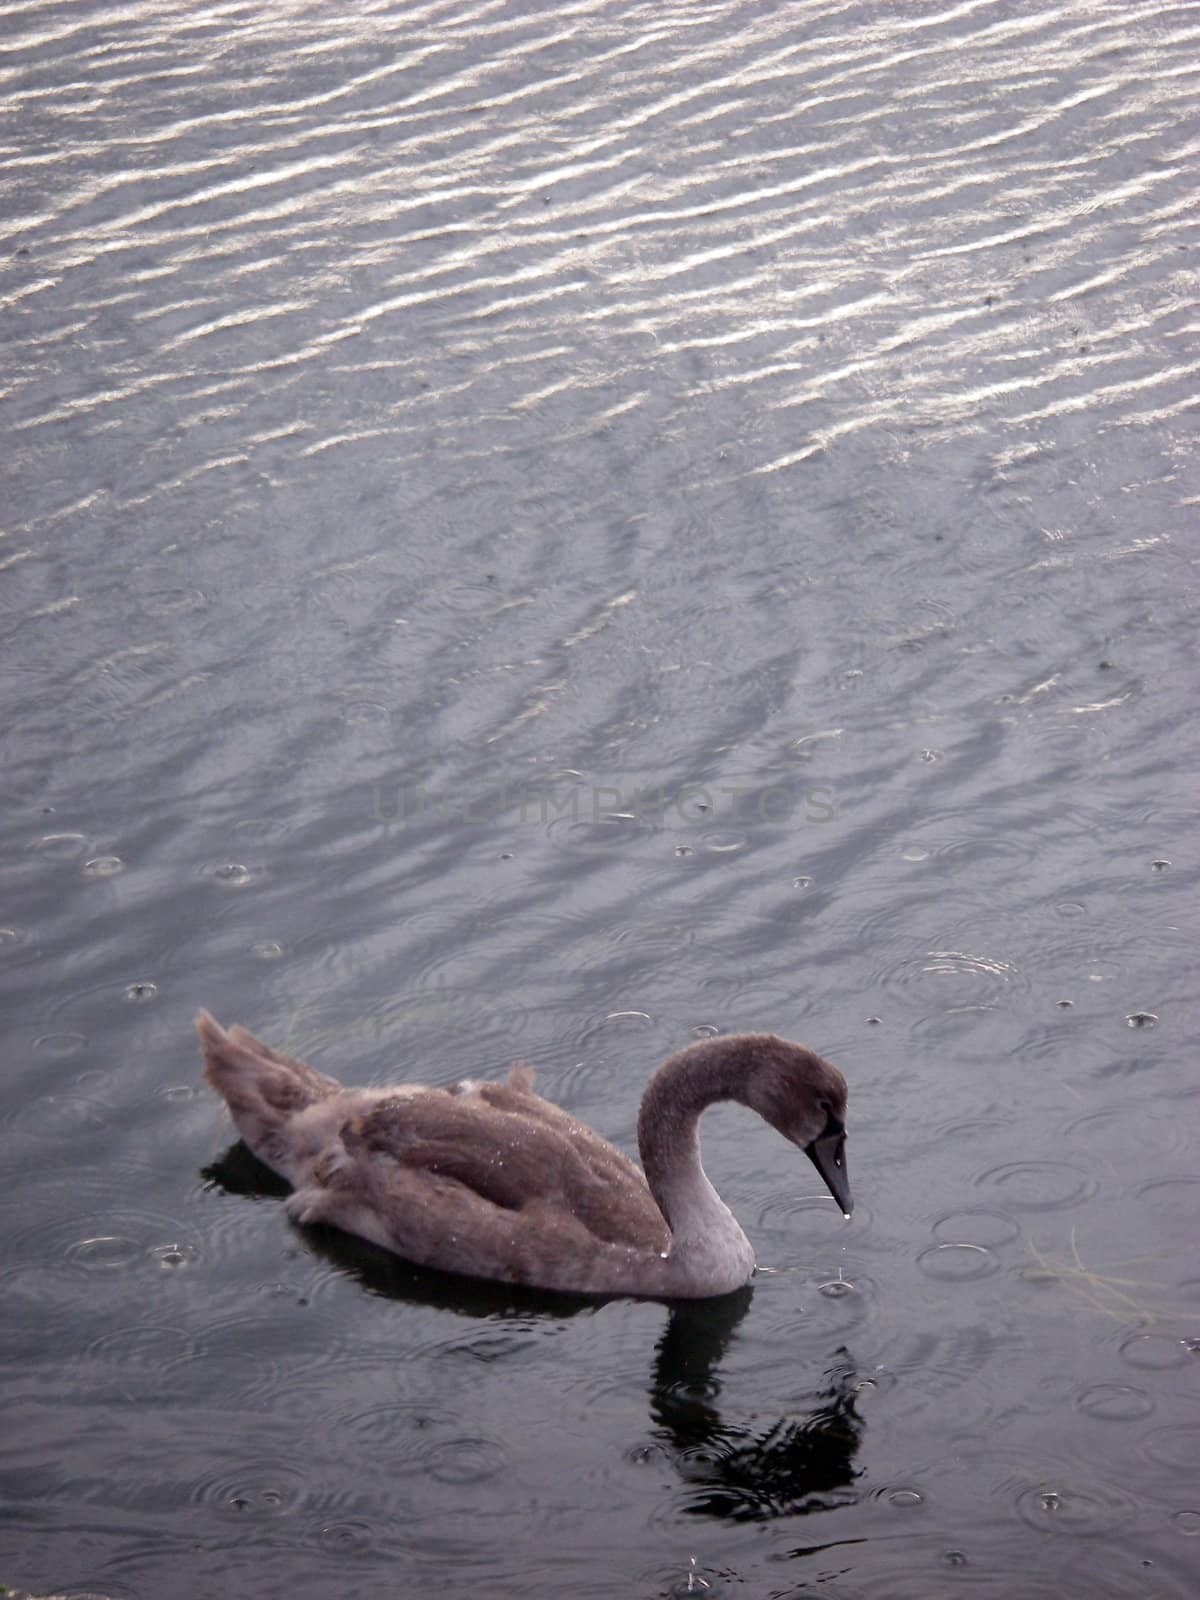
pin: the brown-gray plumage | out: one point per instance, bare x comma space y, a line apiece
491, 1180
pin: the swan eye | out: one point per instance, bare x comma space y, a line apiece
834, 1127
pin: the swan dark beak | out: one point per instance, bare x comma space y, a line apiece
828, 1155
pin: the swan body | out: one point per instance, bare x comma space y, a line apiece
490, 1180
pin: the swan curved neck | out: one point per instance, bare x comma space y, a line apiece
705, 1236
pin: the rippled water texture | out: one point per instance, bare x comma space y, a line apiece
543, 531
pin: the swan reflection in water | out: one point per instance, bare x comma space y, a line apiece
801, 1462
798, 1463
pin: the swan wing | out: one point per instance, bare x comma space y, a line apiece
436, 1221
506, 1150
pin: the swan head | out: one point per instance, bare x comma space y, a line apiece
804, 1097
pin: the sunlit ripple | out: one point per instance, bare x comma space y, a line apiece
430, 150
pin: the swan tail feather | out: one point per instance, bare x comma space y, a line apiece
263, 1088
521, 1076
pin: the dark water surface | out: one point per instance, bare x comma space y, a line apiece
534, 531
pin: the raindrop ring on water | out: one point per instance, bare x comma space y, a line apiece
957, 1263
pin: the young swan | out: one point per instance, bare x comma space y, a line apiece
491, 1180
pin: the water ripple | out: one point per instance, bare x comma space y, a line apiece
822, 156
1038, 1185
1069, 1504
639, 389
955, 980
256, 1489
